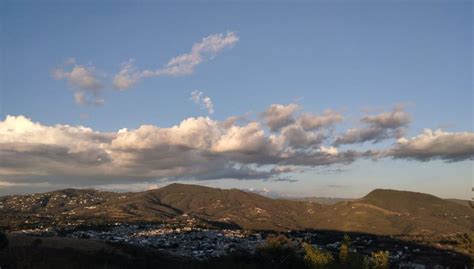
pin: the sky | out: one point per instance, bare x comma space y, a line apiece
316, 98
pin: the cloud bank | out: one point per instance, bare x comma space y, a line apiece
269, 148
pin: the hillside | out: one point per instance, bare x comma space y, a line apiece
379, 212
398, 212
322, 200
460, 201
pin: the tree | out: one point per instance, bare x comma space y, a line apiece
315, 258
279, 252
379, 259
344, 250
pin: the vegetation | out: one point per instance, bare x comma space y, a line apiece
379, 260
244, 210
280, 252
316, 258
240, 210
320, 259
277, 252
467, 242
344, 250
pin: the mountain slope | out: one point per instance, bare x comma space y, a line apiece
398, 212
247, 210
379, 212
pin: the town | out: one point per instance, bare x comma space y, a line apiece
204, 243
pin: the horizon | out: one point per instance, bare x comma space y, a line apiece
335, 100
263, 192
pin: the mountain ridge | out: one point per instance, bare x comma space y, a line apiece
381, 211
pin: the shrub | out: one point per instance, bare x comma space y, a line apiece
279, 252
344, 250
379, 259
315, 258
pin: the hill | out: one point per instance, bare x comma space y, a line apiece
322, 200
379, 212
398, 212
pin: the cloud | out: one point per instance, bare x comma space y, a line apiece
277, 116
83, 79
437, 144
128, 75
309, 121
204, 101
389, 120
379, 127
198, 149
205, 50
296, 136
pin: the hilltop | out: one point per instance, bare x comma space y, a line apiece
379, 212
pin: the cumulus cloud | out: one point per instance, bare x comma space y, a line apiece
207, 49
379, 127
204, 101
277, 116
83, 79
309, 121
296, 136
437, 144
197, 148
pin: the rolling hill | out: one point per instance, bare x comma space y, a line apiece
379, 212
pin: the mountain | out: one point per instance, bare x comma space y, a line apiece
379, 212
322, 200
398, 212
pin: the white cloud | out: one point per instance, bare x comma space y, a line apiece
127, 76
204, 101
83, 79
278, 116
196, 148
435, 145
380, 127
207, 49
310, 122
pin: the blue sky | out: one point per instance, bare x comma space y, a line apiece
352, 57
